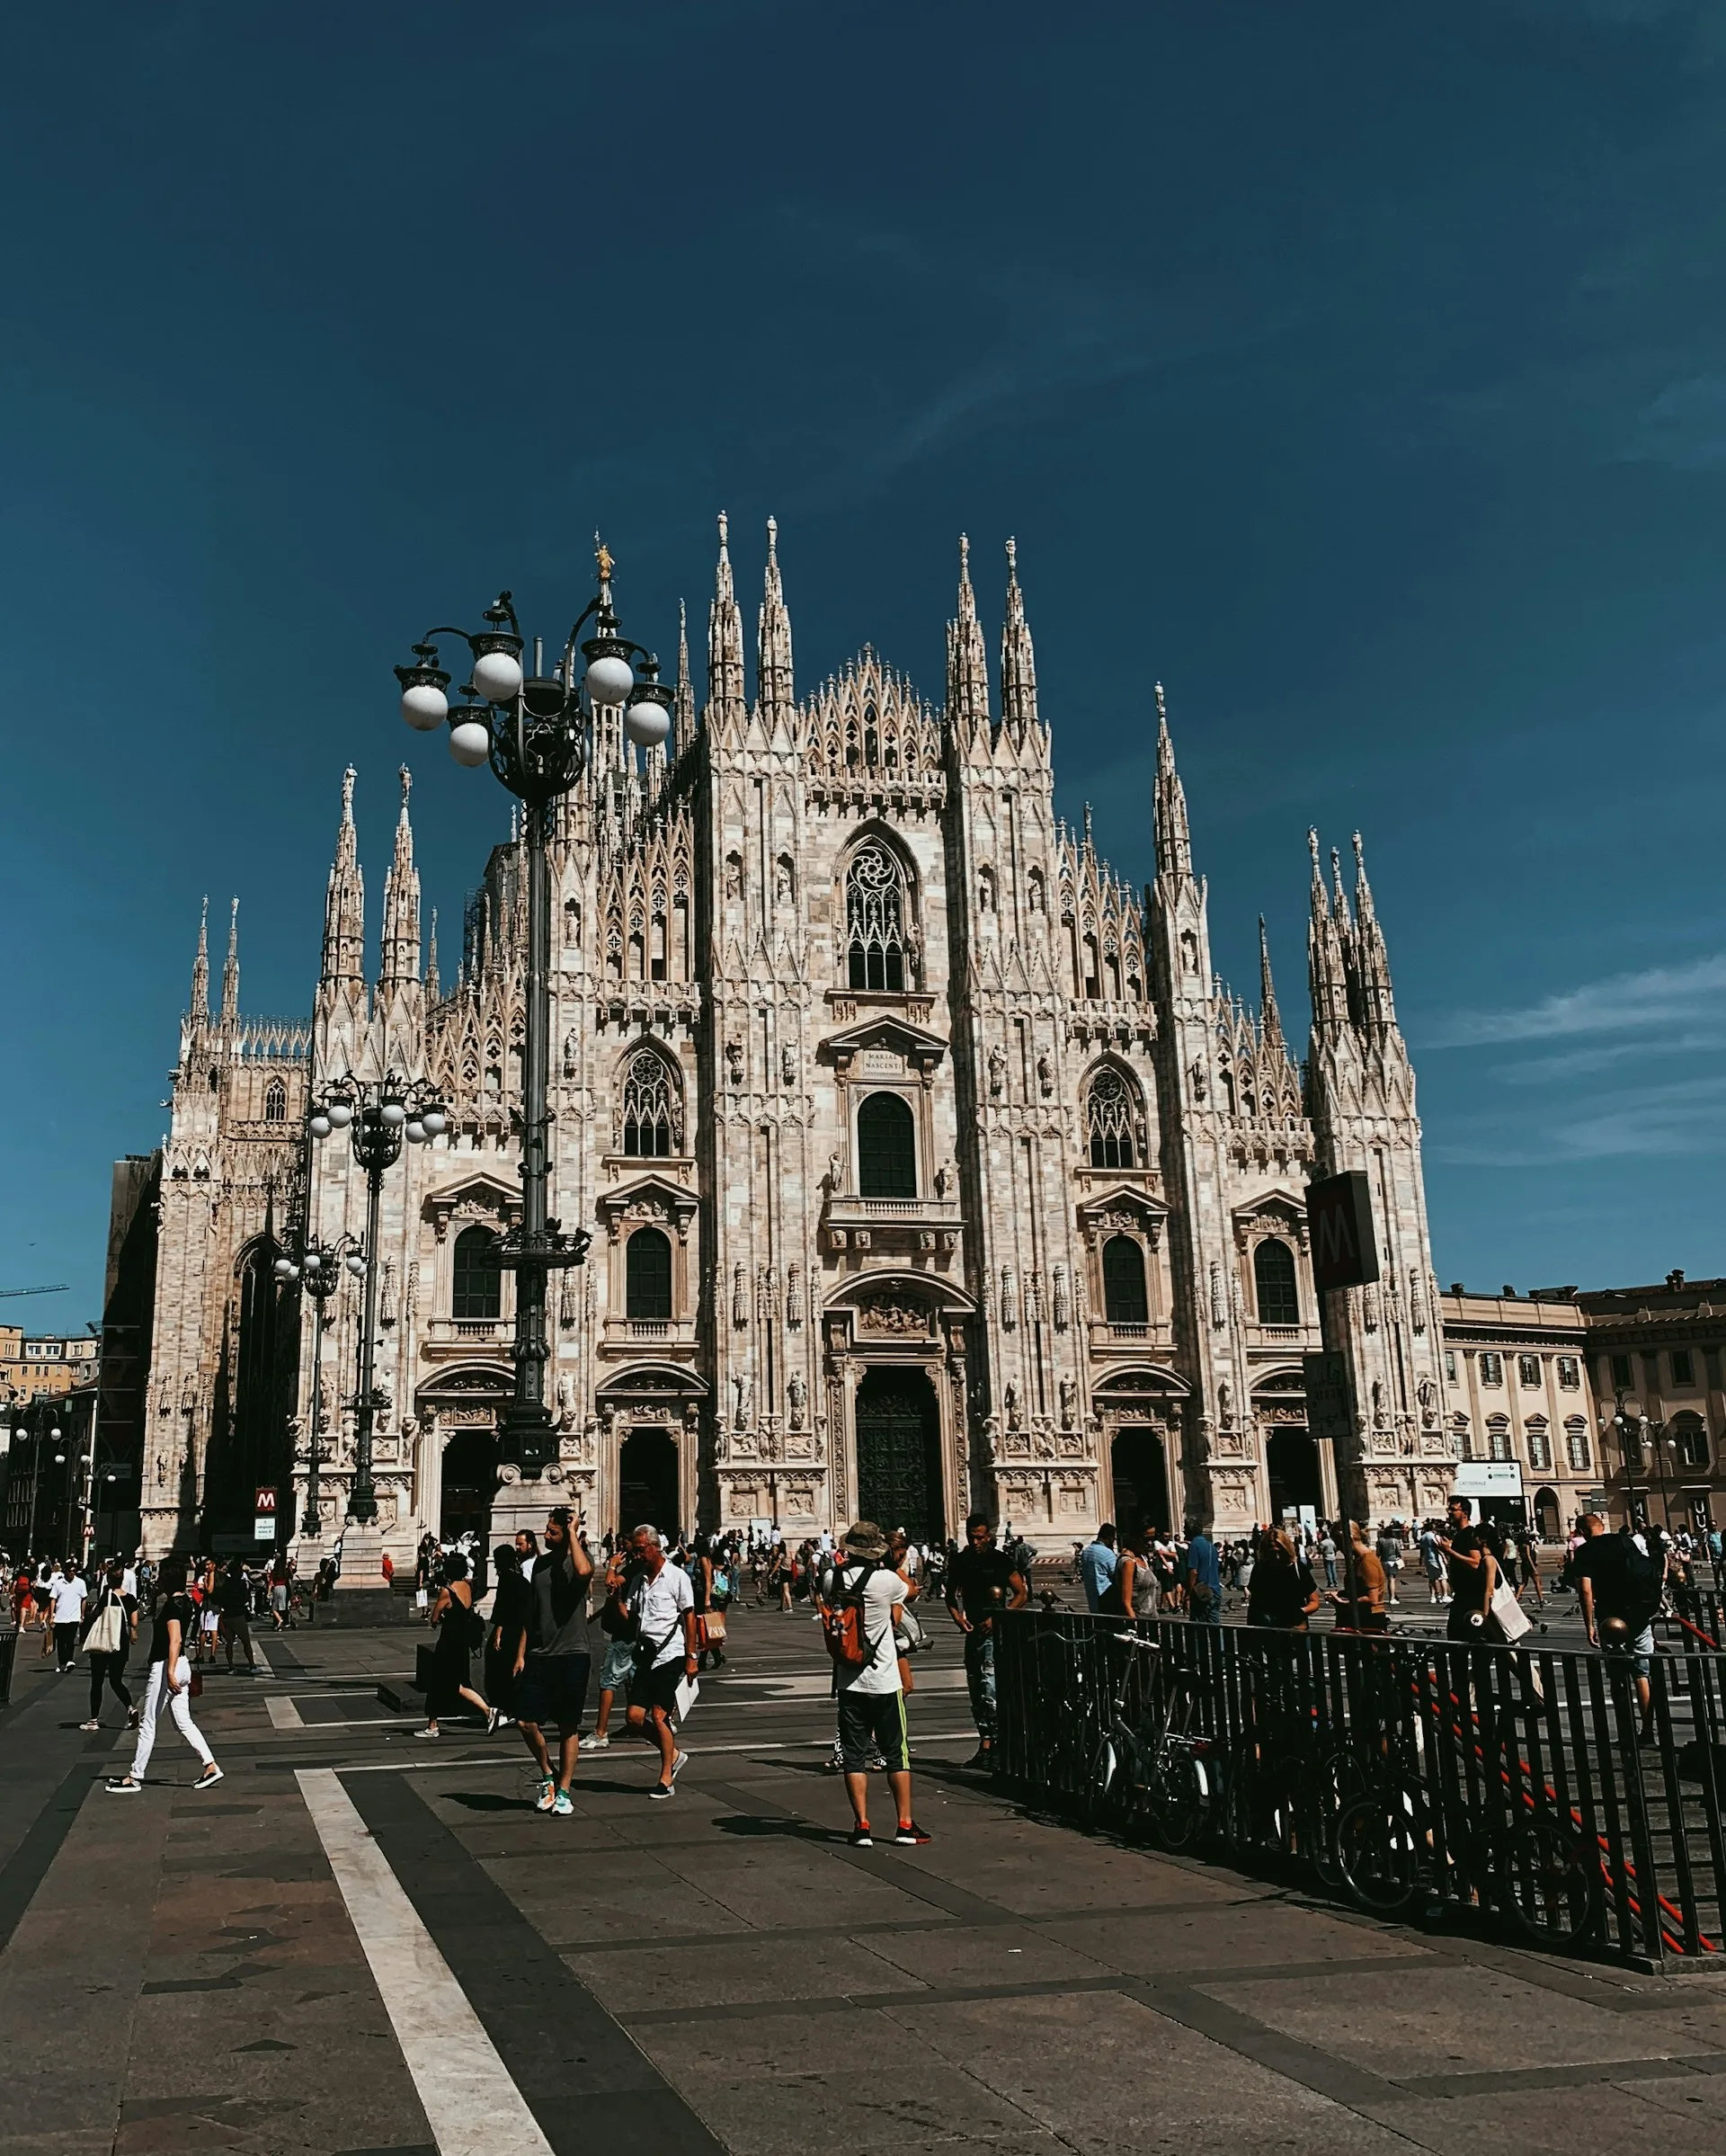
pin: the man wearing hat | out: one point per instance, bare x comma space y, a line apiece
871, 1697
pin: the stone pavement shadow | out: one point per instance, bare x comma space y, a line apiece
753, 1826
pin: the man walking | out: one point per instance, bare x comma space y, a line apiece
981, 1583
1097, 1564
664, 1608
1432, 1563
234, 1601
1621, 1580
67, 1596
1204, 1577
552, 1657
871, 1694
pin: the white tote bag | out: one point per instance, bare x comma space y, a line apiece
1512, 1617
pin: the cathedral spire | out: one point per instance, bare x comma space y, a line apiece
725, 700
1378, 1009
200, 967
344, 905
1327, 972
773, 691
1270, 1019
1018, 661
683, 701
231, 968
401, 951
1174, 837
967, 661
433, 990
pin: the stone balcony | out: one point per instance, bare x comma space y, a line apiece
892, 1224
445, 1338
1157, 1336
648, 1336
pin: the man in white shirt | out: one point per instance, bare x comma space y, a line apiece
871, 1695
65, 1594
664, 1603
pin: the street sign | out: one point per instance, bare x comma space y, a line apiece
1339, 1221
1487, 1478
1326, 1377
264, 1520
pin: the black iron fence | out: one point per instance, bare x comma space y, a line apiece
1411, 1775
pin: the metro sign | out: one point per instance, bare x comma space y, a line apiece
1339, 1221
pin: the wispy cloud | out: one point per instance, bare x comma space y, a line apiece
1659, 995
1681, 1117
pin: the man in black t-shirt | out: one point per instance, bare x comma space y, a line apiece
552, 1657
1469, 1564
1621, 1579
981, 1580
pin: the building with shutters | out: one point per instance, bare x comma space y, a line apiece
929, 1165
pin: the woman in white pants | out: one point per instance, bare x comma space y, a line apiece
174, 1621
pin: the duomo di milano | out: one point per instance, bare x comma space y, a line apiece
928, 1164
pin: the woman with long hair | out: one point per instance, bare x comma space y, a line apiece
173, 1623
452, 1620
1284, 1593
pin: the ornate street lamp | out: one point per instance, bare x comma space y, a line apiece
317, 1268
534, 734
378, 1114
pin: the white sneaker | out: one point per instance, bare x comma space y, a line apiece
89, 1725
678, 1763
597, 1743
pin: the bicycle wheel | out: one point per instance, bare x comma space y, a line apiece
1384, 1854
1327, 1790
1176, 1794
1549, 1883
1100, 1800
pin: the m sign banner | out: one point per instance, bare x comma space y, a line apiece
1339, 1221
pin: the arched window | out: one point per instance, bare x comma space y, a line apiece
1110, 1109
1498, 1437
1540, 1444
275, 1101
647, 1277
876, 917
652, 1108
1273, 1276
1124, 1302
887, 1148
1576, 1444
478, 1281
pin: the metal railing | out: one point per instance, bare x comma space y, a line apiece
1511, 1786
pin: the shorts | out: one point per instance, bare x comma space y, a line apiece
873, 1716
1638, 1647
279, 1600
552, 1688
658, 1689
617, 1667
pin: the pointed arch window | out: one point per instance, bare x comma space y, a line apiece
1125, 1301
652, 1108
1111, 1113
647, 1284
878, 918
275, 1101
1273, 1278
478, 1281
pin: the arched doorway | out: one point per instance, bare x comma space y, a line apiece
1546, 1516
1292, 1461
647, 1482
469, 1483
899, 1453
1139, 1469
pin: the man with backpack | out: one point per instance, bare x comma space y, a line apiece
1621, 1580
860, 1614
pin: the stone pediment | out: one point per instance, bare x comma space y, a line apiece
1122, 1206
1275, 1212
650, 1198
1142, 1378
891, 1301
884, 1046
481, 1197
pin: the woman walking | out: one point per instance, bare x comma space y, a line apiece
108, 1635
1284, 1593
452, 1620
173, 1623
504, 1628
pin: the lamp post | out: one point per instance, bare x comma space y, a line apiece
54, 1437
317, 1268
378, 1114
1630, 1429
534, 732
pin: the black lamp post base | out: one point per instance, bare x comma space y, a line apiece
528, 1439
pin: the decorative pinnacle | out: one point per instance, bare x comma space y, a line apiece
773, 541
724, 535
603, 558
407, 788
348, 778
1162, 710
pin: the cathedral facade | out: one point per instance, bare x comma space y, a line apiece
927, 1165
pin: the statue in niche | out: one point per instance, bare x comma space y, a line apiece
1011, 1402
835, 1173
796, 1393
1045, 1076
787, 1066
1378, 1405
1200, 1085
733, 875
734, 1061
1068, 1399
782, 882
743, 1389
946, 1179
1225, 1404
997, 1074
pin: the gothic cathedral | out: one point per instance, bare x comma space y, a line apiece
929, 1167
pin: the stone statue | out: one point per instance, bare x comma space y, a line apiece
835, 1172
997, 1074
743, 1388
1009, 1401
797, 1392
1225, 1404
1068, 1399
947, 1179
1045, 1076
787, 1066
734, 1061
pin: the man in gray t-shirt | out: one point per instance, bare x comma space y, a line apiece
552, 1657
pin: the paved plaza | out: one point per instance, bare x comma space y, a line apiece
362, 1942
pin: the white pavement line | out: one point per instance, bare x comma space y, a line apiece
283, 1713
263, 1660
472, 2105
696, 1751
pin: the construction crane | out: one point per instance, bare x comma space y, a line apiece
55, 1288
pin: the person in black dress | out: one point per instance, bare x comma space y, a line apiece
453, 1619
504, 1627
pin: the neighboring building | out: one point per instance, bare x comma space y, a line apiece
928, 1164
1563, 1384
42, 1366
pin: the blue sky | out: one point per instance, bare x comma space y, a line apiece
1359, 370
